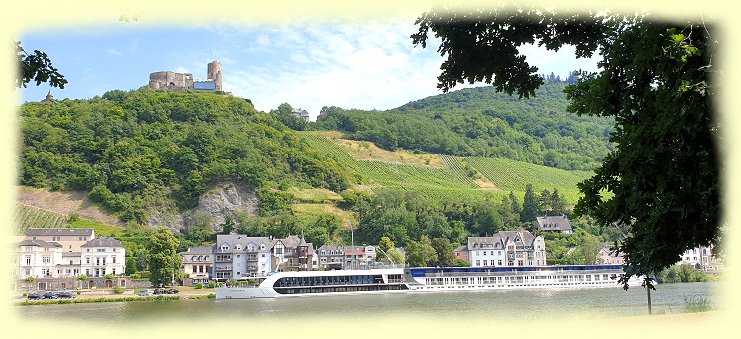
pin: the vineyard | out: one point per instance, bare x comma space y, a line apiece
511, 175
32, 217
456, 178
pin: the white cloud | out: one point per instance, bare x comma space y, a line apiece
113, 51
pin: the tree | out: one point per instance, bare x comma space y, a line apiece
530, 205
443, 251
654, 80
37, 67
558, 205
420, 253
30, 280
81, 278
545, 201
164, 260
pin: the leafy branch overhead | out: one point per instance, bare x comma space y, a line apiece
37, 67
654, 80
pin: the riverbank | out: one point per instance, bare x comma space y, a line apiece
107, 295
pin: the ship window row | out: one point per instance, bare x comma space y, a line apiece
329, 280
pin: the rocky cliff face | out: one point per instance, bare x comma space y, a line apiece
219, 201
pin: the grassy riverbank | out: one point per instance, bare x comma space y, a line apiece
114, 299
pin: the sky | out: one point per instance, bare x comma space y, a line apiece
308, 65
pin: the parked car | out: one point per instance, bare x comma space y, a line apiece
160, 291
66, 295
35, 296
145, 293
51, 295
172, 291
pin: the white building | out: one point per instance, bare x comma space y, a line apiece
102, 256
702, 258
197, 263
239, 256
507, 248
37, 258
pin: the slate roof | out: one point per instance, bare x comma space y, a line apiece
103, 242
554, 223
197, 250
243, 241
39, 243
500, 239
59, 232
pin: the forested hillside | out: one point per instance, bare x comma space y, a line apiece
136, 150
481, 122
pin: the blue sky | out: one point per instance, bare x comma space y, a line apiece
367, 66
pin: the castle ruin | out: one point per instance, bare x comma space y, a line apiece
173, 81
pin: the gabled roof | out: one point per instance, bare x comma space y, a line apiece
554, 223
197, 250
60, 232
240, 239
103, 242
499, 240
331, 248
39, 243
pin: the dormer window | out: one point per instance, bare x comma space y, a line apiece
238, 247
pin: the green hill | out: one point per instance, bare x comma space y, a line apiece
483, 123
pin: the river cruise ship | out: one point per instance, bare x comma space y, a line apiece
484, 278
426, 279
318, 283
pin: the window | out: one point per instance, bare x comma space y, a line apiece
113, 271
103, 260
97, 261
70, 262
28, 260
478, 263
87, 250
499, 262
45, 271
101, 250
46, 259
87, 260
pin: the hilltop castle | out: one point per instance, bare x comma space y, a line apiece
173, 80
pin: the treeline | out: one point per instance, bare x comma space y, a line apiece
480, 122
138, 149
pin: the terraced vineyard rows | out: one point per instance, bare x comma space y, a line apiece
510, 175
453, 181
31, 217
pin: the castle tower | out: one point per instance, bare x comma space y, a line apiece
214, 73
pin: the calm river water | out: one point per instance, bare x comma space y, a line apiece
604, 302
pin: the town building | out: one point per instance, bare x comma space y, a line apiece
559, 223
461, 252
359, 257
331, 257
176, 81
507, 248
301, 113
701, 258
71, 239
37, 258
102, 256
197, 264
293, 254
606, 257
238, 256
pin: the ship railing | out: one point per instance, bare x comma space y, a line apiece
516, 273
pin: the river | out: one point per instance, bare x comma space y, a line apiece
501, 305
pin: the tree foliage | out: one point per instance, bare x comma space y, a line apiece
36, 67
164, 260
662, 176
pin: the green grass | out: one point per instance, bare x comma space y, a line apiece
695, 304
101, 229
97, 300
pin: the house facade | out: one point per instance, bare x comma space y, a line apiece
36, 258
702, 258
239, 256
101, 256
606, 257
507, 249
359, 257
331, 257
559, 223
461, 252
197, 264
293, 253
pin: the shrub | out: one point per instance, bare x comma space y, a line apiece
199, 286
697, 305
118, 289
211, 284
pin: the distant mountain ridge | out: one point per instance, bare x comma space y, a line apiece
481, 122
